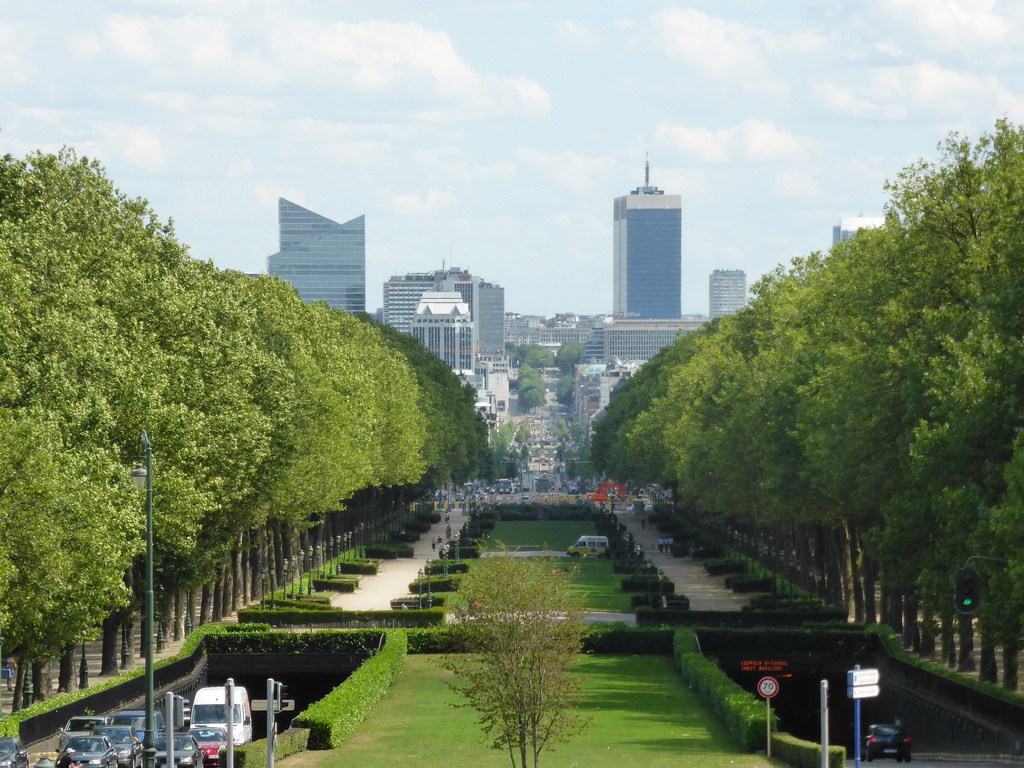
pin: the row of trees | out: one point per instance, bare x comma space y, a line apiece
267, 415
860, 421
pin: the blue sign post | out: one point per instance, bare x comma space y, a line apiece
860, 684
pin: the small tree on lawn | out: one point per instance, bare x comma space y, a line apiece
523, 630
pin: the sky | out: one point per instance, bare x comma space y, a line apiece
493, 135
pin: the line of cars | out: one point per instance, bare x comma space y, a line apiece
116, 741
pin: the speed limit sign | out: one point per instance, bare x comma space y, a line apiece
767, 687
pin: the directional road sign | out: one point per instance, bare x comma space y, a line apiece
862, 677
862, 691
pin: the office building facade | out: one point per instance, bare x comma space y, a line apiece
727, 291
647, 254
486, 302
324, 260
442, 324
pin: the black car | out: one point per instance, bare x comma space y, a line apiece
126, 741
94, 751
12, 753
887, 741
187, 752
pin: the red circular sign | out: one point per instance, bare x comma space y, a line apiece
767, 687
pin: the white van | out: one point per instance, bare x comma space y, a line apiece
209, 709
589, 545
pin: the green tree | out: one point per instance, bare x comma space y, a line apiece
524, 628
531, 388
569, 354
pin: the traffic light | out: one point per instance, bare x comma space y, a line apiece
967, 591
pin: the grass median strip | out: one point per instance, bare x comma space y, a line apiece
642, 713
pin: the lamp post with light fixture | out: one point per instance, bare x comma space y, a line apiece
142, 478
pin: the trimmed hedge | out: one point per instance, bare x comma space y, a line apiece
337, 617
359, 567
388, 551
335, 584
742, 713
723, 565
437, 567
804, 754
254, 754
654, 586
336, 716
320, 641
437, 584
648, 617
745, 582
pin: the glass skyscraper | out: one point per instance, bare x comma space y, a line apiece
324, 260
647, 273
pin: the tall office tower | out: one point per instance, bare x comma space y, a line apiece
442, 325
324, 260
402, 295
486, 306
848, 226
727, 291
647, 250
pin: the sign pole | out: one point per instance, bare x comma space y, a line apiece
768, 687
768, 725
824, 724
856, 727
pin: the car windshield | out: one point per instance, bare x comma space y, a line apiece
137, 720
7, 748
182, 742
117, 735
209, 734
84, 723
86, 744
887, 730
214, 713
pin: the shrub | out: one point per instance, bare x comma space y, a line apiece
654, 586
335, 584
336, 617
805, 754
391, 551
742, 713
618, 638
745, 582
335, 717
722, 565
359, 567
254, 754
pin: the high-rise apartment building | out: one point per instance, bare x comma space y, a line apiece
443, 325
727, 291
848, 226
486, 302
647, 252
324, 260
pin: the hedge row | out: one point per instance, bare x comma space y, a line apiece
359, 567
742, 713
388, 551
748, 582
320, 641
437, 584
654, 586
335, 584
804, 754
720, 566
254, 754
437, 567
336, 716
648, 617
336, 617
599, 638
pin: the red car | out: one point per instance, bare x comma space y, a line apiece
213, 742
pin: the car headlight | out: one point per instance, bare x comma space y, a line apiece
95, 761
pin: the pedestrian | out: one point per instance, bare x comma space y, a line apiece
446, 517
661, 544
643, 523
448, 532
10, 671
438, 541
433, 544
668, 545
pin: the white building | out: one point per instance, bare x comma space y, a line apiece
443, 325
849, 226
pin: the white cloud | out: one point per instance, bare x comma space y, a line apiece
419, 205
568, 170
752, 141
141, 146
577, 37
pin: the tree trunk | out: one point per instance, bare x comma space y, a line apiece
857, 576
966, 662
1011, 656
948, 644
870, 585
988, 671
110, 649
66, 669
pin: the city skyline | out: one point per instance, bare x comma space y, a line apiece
494, 134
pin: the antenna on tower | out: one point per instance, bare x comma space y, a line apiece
647, 170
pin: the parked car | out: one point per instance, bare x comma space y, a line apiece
80, 725
93, 751
137, 718
887, 741
214, 741
13, 753
126, 741
187, 752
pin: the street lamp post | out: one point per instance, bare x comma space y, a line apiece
142, 477
444, 553
455, 539
419, 588
302, 568
430, 597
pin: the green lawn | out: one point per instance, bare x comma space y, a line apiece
642, 713
556, 535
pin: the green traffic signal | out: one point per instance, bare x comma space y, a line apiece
967, 590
